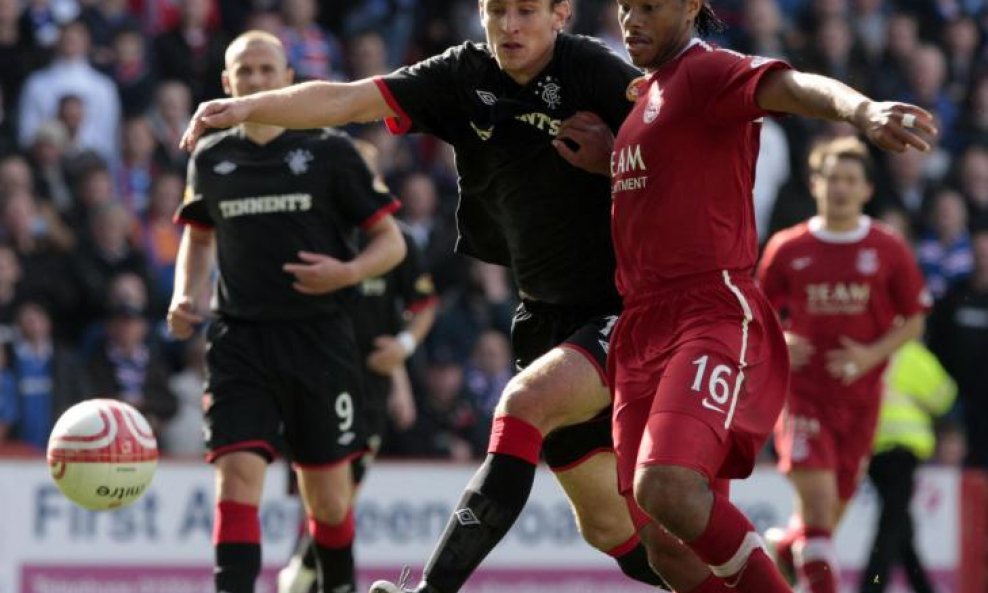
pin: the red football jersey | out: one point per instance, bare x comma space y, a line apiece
683, 169
830, 285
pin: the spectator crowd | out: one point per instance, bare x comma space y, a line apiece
94, 95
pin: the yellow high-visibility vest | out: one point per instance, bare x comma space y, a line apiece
917, 389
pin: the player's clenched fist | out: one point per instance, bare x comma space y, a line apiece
182, 318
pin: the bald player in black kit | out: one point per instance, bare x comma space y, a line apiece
278, 208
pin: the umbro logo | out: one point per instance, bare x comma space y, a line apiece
466, 517
224, 167
486, 97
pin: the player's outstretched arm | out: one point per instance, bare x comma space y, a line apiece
890, 125
313, 104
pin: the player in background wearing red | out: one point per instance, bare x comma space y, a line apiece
850, 293
698, 360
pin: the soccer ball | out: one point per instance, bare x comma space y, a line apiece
102, 454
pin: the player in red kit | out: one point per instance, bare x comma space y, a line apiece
698, 360
850, 293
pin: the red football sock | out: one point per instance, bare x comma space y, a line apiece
236, 522
817, 560
734, 551
237, 545
333, 536
515, 437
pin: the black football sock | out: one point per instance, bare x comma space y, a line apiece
632, 557
237, 544
491, 503
334, 555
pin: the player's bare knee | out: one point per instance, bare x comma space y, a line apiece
819, 512
669, 493
328, 507
239, 477
525, 401
819, 507
601, 531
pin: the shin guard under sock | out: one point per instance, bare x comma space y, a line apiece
632, 557
237, 544
491, 503
735, 553
333, 545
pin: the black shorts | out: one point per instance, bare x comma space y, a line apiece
295, 383
536, 329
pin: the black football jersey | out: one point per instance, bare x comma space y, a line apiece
385, 299
305, 190
521, 204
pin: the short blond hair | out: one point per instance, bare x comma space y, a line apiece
843, 147
245, 39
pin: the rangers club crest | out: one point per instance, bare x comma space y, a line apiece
867, 261
298, 160
549, 90
654, 104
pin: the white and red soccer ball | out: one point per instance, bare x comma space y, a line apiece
102, 454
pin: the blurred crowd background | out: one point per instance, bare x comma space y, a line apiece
94, 95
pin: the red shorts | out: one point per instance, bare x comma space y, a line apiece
700, 374
819, 431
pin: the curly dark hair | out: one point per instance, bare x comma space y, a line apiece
707, 21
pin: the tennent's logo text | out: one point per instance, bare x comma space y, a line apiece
541, 121
837, 298
265, 205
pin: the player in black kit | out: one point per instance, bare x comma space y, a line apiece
526, 113
393, 314
279, 207
391, 317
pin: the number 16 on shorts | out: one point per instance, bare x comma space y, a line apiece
717, 384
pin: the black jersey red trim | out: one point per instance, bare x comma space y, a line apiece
381, 213
396, 125
193, 223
